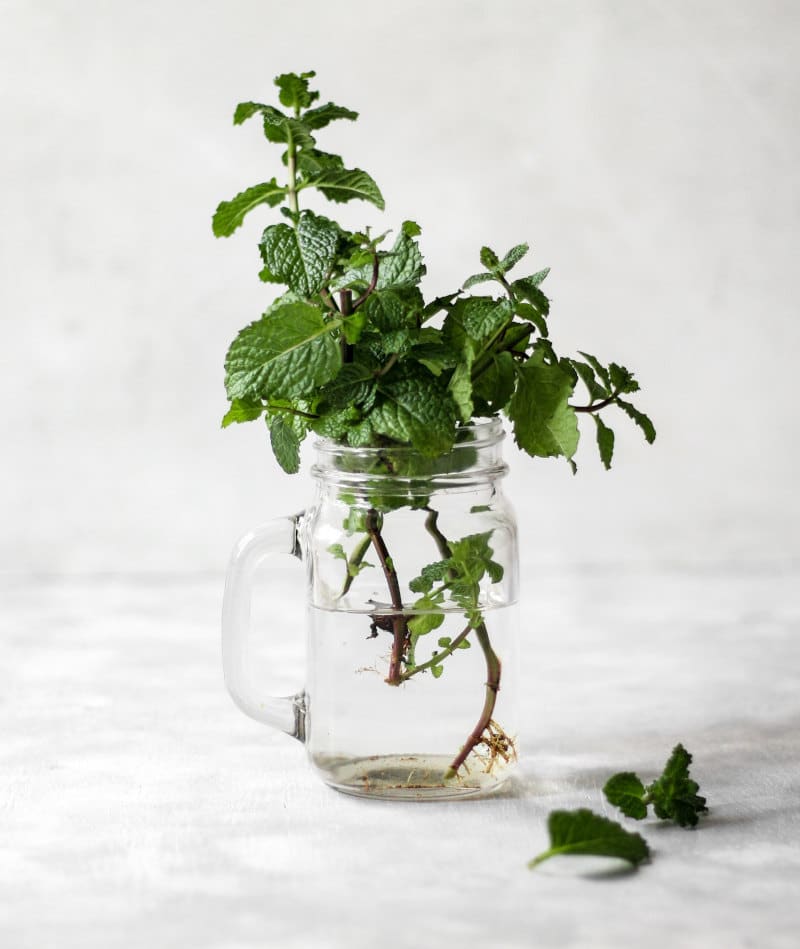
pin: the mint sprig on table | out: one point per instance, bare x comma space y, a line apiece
673, 795
582, 832
351, 350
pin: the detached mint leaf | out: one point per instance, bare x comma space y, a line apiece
640, 419
626, 791
544, 423
230, 214
347, 184
285, 445
582, 832
605, 441
415, 409
301, 257
288, 355
242, 410
674, 795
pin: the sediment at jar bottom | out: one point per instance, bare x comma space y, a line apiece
406, 777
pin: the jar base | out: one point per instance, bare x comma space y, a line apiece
406, 777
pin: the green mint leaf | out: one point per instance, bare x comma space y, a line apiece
282, 129
535, 279
402, 267
544, 423
436, 671
532, 315
337, 423
354, 385
425, 622
489, 258
230, 214
528, 290
476, 279
674, 795
605, 441
301, 257
585, 371
621, 379
323, 115
337, 551
599, 368
626, 791
246, 110
294, 92
347, 184
360, 435
435, 357
285, 445
287, 355
513, 257
411, 228
495, 384
460, 387
415, 409
311, 162
242, 410
482, 317
640, 419
583, 832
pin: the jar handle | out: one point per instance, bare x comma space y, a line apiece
277, 537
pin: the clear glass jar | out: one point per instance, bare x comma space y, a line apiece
412, 632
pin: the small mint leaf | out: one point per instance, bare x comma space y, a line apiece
605, 441
230, 214
337, 551
347, 184
294, 92
285, 445
513, 257
411, 228
476, 279
626, 791
583, 832
489, 258
300, 257
242, 410
323, 115
640, 419
599, 368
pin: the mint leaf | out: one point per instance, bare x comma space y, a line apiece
354, 385
242, 410
674, 795
626, 791
532, 315
513, 257
245, 110
529, 290
230, 214
583, 832
323, 115
460, 387
285, 445
544, 423
599, 368
287, 355
346, 184
585, 371
495, 384
640, 419
300, 257
477, 278
402, 266
482, 317
605, 441
424, 623
294, 91
411, 228
415, 409
489, 258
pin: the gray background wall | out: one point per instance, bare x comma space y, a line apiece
649, 152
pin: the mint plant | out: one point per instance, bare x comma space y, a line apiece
351, 350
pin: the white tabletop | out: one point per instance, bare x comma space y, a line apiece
139, 808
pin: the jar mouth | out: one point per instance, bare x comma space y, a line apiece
482, 433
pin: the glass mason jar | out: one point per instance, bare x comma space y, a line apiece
412, 639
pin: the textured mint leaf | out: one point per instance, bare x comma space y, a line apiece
495, 384
311, 162
242, 410
283, 129
489, 259
294, 92
300, 257
402, 267
436, 357
535, 279
585, 371
622, 379
230, 214
605, 441
513, 257
346, 184
415, 409
582, 832
460, 387
626, 791
288, 355
532, 315
599, 368
361, 434
528, 290
544, 423
476, 279
323, 115
482, 317
411, 228
640, 419
425, 622
337, 423
285, 445
354, 385
674, 795
245, 110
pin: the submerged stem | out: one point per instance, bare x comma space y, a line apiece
399, 625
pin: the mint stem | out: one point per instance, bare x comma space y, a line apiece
399, 624
437, 657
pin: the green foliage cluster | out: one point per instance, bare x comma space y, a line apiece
351, 349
